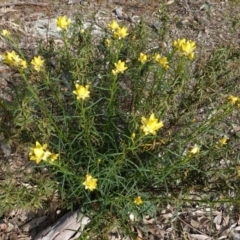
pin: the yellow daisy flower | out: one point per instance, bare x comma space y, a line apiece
63, 22
39, 152
233, 100
81, 91
37, 63
113, 25
121, 33
108, 42
11, 59
142, 58
5, 33
222, 141
185, 47
90, 182
53, 156
151, 125
120, 67
194, 149
138, 200
163, 61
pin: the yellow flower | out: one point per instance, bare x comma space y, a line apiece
194, 149
156, 57
142, 58
163, 61
90, 182
121, 33
120, 67
37, 63
39, 152
151, 125
63, 22
113, 25
53, 156
222, 141
8, 59
108, 42
23, 64
117, 31
133, 136
185, 47
233, 100
178, 43
5, 33
138, 200
13, 60
81, 91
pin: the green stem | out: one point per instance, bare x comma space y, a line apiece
44, 109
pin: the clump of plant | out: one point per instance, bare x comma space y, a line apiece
121, 128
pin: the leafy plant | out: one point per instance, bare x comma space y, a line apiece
122, 128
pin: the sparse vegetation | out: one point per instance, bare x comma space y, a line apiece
117, 128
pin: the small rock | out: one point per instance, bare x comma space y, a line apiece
118, 11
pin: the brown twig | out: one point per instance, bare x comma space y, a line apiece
191, 226
21, 4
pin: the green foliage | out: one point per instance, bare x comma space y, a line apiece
103, 134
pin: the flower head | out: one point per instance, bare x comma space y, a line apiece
37, 63
133, 136
151, 125
63, 22
138, 200
162, 61
222, 141
194, 150
185, 47
233, 100
39, 152
90, 182
23, 64
13, 60
120, 67
121, 33
5, 33
53, 157
156, 57
108, 42
81, 91
113, 25
142, 58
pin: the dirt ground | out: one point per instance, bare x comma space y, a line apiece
211, 24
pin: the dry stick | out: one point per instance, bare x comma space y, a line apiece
20, 4
191, 226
